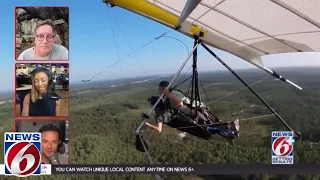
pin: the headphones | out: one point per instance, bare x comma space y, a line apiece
45, 70
51, 85
52, 127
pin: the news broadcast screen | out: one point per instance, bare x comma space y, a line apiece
144, 89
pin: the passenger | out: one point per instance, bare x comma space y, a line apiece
176, 101
163, 115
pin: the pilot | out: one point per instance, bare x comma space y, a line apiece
50, 143
45, 48
39, 102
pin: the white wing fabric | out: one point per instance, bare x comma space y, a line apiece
248, 29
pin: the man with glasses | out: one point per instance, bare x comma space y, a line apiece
45, 48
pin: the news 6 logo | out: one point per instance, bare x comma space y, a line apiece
282, 147
22, 153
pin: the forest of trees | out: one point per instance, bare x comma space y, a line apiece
103, 123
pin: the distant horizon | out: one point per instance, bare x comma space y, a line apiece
200, 71
171, 74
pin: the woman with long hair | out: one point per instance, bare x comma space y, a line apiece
39, 102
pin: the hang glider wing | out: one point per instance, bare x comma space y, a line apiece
248, 29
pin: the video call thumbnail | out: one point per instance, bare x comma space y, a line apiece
42, 89
42, 33
54, 138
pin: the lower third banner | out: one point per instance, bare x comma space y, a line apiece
118, 169
196, 169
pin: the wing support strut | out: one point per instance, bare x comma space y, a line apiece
195, 93
275, 74
188, 8
297, 134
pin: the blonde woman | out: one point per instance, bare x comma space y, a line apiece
39, 102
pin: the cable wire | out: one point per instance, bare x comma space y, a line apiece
141, 47
114, 17
114, 40
257, 82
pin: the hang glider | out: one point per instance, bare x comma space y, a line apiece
248, 29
